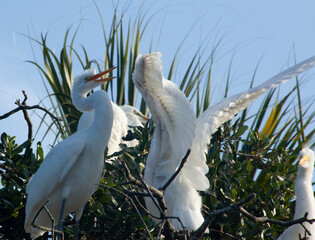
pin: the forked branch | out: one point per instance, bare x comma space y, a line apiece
22, 106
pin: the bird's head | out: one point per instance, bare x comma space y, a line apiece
306, 158
89, 80
132, 110
143, 119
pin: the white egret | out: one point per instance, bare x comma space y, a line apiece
177, 130
71, 171
305, 201
125, 117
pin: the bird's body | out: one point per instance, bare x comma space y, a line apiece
177, 130
305, 201
174, 121
125, 118
71, 171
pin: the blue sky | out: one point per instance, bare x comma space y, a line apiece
256, 30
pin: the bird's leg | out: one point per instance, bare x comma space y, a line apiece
76, 230
59, 225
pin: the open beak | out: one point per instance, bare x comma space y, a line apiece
97, 77
304, 159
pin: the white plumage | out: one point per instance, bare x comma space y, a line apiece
125, 118
177, 130
174, 121
305, 201
71, 171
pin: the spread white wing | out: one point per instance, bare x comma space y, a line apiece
215, 116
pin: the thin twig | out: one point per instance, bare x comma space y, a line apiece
22, 106
202, 229
159, 195
149, 189
224, 233
28, 121
277, 222
52, 229
133, 204
155, 195
182, 163
160, 230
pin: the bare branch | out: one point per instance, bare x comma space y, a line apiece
149, 189
224, 233
238, 207
157, 196
202, 229
133, 204
52, 229
177, 171
28, 120
22, 106
277, 222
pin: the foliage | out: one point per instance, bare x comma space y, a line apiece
16, 168
239, 164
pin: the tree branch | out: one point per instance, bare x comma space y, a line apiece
156, 195
177, 171
28, 120
202, 229
126, 193
149, 189
22, 106
277, 222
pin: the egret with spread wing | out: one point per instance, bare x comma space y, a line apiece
177, 130
71, 171
305, 201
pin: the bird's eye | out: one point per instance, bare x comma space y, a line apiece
86, 78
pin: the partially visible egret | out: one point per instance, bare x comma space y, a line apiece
305, 201
177, 130
72, 170
125, 117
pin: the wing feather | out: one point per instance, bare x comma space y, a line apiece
216, 115
225, 110
175, 123
169, 107
47, 178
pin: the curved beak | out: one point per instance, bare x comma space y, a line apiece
304, 159
97, 77
143, 117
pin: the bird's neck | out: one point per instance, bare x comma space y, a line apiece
304, 194
103, 114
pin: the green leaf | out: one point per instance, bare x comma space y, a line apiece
40, 151
241, 130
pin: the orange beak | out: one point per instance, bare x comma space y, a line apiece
97, 77
304, 160
142, 116
145, 117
